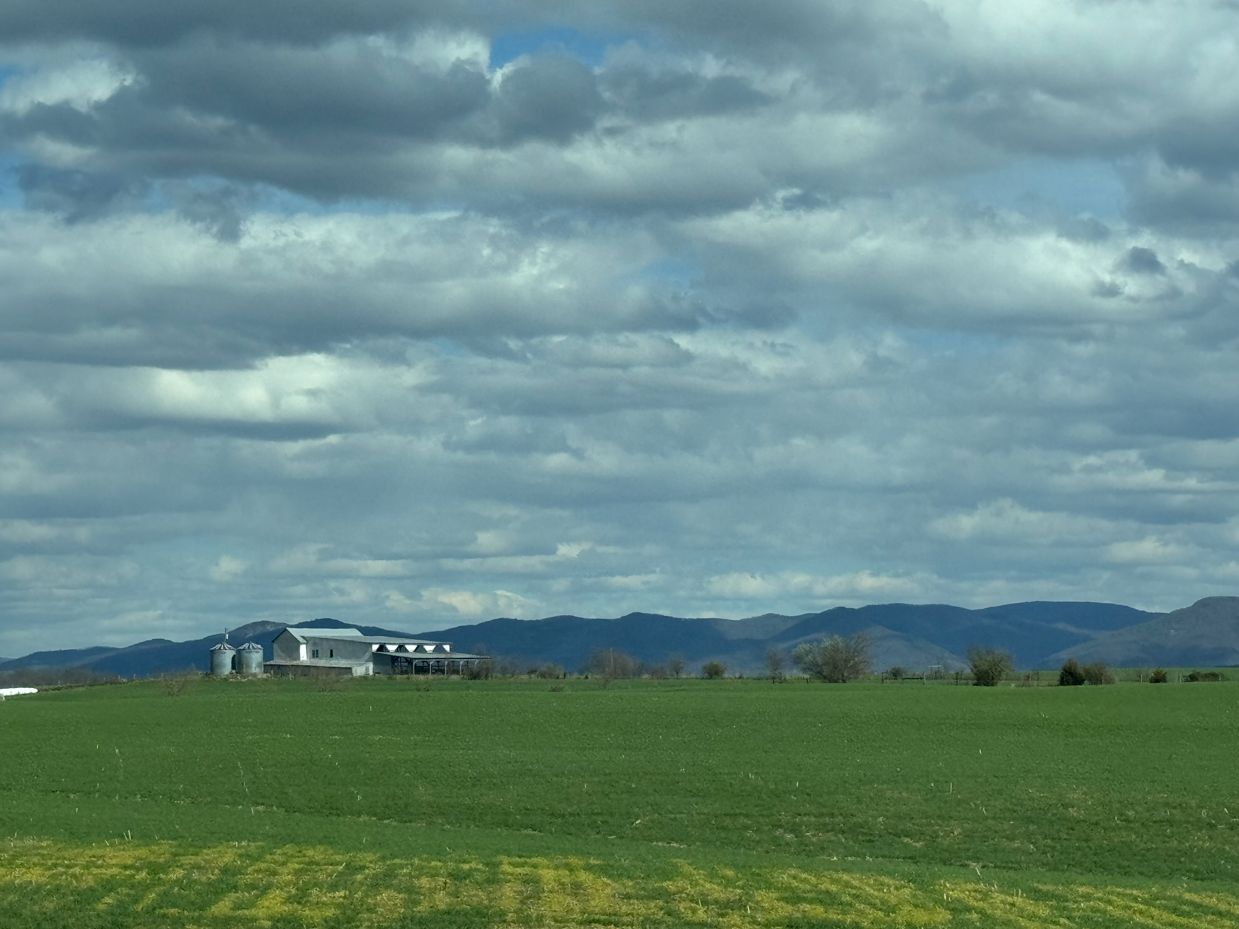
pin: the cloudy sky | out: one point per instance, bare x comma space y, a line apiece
420, 313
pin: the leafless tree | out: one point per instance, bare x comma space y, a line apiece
835, 660
775, 660
611, 664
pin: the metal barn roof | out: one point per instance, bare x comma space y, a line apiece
355, 635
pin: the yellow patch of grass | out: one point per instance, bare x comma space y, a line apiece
252, 886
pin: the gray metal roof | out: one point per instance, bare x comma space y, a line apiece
355, 635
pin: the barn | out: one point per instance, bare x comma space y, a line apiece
349, 651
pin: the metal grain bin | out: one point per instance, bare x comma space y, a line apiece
249, 659
222, 656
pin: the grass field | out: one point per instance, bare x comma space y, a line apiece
268, 803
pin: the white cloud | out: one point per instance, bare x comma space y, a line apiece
756, 310
79, 84
864, 585
1149, 550
1006, 522
227, 568
468, 604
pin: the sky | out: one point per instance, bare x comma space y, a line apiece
419, 314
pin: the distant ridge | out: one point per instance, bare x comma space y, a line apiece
1202, 635
1039, 634
913, 636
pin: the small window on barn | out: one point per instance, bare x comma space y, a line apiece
331, 653
314, 654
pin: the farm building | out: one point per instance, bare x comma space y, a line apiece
349, 651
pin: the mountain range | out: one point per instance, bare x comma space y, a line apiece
1040, 634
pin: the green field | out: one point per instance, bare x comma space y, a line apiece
651, 803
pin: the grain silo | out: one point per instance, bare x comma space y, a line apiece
222, 657
249, 660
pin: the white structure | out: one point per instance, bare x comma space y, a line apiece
17, 691
348, 651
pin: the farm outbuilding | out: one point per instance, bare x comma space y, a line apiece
249, 659
351, 652
223, 658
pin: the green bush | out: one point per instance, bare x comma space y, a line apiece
1158, 676
989, 665
1070, 674
713, 670
1098, 673
1205, 676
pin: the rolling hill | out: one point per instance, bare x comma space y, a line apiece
913, 636
1204, 634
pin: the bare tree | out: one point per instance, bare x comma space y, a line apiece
775, 661
675, 664
835, 660
611, 664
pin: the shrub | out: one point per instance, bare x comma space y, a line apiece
479, 670
1158, 676
1205, 676
173, 685
1070, 674
657, 673
550, 672
325, 681
897, 673
675, 664
835, 660
1098, 673
713, 670
989, 665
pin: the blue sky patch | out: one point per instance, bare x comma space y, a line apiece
1080, 186
587, 48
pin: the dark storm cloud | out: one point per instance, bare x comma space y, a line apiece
78, 195
323, 122
782, 24
307, 96
649, 94
549, 97
1143, 261
145, 23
